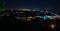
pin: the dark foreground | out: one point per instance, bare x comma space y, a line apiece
10, 23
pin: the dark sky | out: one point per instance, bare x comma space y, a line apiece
32, 4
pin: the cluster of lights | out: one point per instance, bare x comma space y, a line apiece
50, 17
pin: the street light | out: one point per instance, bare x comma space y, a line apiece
52, 26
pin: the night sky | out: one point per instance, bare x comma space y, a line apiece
32, 3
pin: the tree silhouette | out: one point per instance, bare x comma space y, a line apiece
2, 5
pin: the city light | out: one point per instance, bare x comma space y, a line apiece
45, 17
52, 26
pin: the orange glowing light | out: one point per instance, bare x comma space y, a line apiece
52, 26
